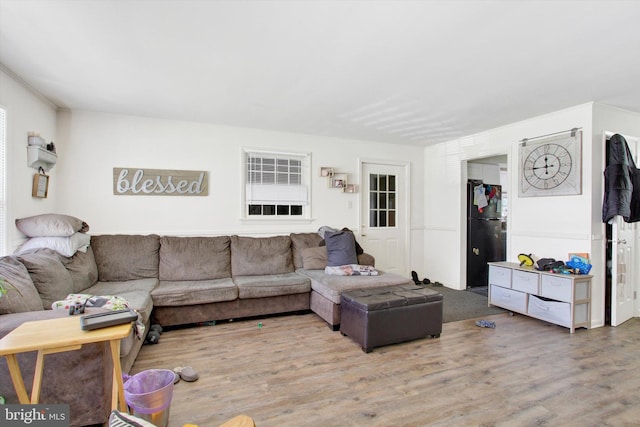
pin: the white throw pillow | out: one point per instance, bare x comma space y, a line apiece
51, 225
65, 246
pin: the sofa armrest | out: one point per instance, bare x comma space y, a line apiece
366, 259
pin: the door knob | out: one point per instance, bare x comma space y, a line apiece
619, 242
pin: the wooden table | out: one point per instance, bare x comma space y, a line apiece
56, 336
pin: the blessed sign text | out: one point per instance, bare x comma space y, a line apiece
159, 182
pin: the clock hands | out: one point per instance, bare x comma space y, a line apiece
545, 167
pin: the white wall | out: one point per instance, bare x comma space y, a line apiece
26, 112
544, 226
92, 144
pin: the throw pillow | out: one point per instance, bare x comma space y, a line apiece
359, 250
314, 258
51, 225
66, 246
341, 248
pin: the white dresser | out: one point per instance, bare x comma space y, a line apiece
563, 299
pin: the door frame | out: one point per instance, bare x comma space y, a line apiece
606, 135
406, 233
464, 177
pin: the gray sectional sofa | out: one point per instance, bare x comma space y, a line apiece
170, 281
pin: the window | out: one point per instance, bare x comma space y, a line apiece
276, 185
3, 180
382, 200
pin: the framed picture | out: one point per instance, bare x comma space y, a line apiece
351, 188
338, 180
326, 172
40, 186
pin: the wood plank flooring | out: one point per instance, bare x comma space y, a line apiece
295, 371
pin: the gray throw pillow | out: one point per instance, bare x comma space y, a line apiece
314, 258
341, 248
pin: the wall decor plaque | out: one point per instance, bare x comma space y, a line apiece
40, 186
159, 182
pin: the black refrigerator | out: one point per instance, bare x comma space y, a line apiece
485, 235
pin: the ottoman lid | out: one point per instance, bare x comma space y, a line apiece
390, 296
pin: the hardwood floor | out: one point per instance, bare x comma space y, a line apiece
295, 371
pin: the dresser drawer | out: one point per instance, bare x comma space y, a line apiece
500, 276
509, 299
556, 287
552, 311
525, 281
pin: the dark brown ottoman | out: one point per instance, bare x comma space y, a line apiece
381, 316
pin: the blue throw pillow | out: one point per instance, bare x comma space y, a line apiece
341, 248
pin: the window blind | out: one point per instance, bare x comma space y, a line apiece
275, 179
3, 181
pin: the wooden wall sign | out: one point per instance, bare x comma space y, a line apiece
159, 182
40, 187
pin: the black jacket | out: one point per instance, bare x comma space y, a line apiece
621, 196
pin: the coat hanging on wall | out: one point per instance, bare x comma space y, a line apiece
621, 183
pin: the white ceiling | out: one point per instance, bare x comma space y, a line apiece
407, 72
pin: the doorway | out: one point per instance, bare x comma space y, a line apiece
622, 276
486, 213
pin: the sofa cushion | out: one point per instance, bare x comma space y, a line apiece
52, 280
118, 288
140, 301
191, 292
341, 248
331, 287
126, 257
51, 225
22, 295
252, 256
195, 258
271, 285
314, 258
301, 241
82, 268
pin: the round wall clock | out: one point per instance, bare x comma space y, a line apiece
551, 166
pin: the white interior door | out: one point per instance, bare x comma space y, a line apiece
623, 272
624, 263
383, 232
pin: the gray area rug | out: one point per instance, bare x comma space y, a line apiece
462, 305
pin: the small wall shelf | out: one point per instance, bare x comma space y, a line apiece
39, 157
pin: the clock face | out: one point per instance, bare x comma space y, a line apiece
548, 166
551, 167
